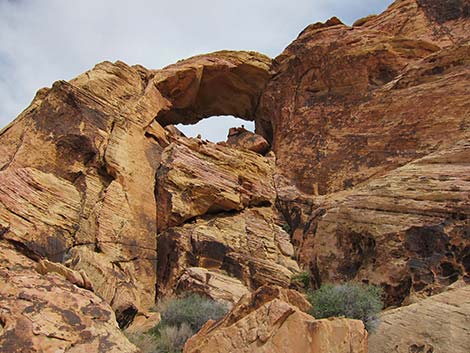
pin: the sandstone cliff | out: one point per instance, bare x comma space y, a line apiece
358, 170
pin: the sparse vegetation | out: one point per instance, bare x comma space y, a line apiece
351, 300
301, 280
181, 318
192, 310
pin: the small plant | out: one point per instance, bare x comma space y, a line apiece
301, 280
286, 227
351, 300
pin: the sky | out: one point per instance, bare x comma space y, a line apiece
42, 41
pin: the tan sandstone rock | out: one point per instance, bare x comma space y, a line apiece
197, 178
248, 246
437, 324
78, 167
406, 231
267, 323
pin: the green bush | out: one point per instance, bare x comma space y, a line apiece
351, 300
192, 310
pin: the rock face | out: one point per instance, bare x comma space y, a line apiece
197, 178
437, 324
247, 246
406, 231
370, 123
378, 99
442, 22
269, 320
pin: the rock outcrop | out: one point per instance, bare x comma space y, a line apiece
437, 324
339, 114
248, 246
406, 231
269, 320
366, 121
78, 170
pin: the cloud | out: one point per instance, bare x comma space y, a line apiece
48, 40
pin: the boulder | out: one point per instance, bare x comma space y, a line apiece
241, 138
266, 323
197, 178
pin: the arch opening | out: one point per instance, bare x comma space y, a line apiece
215, 128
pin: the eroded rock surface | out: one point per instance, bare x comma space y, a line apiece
406, 231
269, 321
248, 246
197, 178
78, 171
348, 104
437, 324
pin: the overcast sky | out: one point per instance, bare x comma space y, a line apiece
42, 41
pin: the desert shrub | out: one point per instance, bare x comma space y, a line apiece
180, 319
351, 300
192, 310
301, 280
171, 339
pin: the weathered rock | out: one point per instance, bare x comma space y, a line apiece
144, 322
437, 324
407, 231
444, 23
241, 138
274, 325
248, 246
79, 278
78, 167
196, 178
346, 105
46, 313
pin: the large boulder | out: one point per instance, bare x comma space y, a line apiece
269, 320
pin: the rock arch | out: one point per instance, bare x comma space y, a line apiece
221, 83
